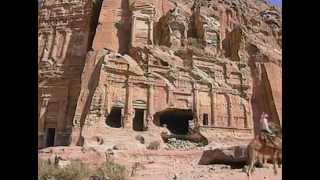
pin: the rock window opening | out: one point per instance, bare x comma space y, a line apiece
138, 119
114, 118
163, 63
51, 132
205, 119
177, 120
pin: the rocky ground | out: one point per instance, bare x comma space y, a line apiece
176, 159
161, 164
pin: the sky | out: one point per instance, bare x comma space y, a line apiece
276, 2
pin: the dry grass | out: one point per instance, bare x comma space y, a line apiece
80, 171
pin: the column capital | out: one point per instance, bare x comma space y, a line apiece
195, 85
151, 85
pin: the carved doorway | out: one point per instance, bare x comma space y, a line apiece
205, 119
51, 133
114, 119
138, 120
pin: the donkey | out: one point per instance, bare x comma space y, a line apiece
260, 145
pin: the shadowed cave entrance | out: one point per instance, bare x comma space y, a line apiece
177, 120
114, 118
50, 137
138, 124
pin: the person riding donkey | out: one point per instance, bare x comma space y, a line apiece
266, 131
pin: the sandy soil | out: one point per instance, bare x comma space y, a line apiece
183, 165
161, 164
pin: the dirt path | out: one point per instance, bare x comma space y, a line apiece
161, 164
183, 165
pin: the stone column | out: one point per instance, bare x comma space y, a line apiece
133, 30
66, 44
230, 112
107, 101
245, 123
249, 114
151, 30
150, 105
50, 43
55, 43
213, 105
122, 117
61, 123
47, 46
196, 104
145, 122
170, 97
41, 122
42, 41
128, 117
61, 115
42, 114
101, 103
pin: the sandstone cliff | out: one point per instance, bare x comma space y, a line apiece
138, 63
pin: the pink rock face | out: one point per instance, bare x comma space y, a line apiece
113, 23
86, 155
134, 65
64, 29
273, 75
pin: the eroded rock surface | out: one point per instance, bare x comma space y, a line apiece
135, 65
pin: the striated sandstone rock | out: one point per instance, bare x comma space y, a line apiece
138, 64
64, 38
231, 155
172, 28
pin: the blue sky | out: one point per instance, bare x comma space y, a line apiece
276, 2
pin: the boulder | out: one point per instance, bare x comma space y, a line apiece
231, 156
154, 145
140, 139
120, 146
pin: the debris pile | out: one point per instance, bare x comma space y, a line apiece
174, 143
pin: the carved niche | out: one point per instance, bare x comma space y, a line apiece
142, 23
207, 29
62, 38
223, 116
239, 112
173, 29
45, 45
52, 112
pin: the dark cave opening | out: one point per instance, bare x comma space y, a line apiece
114, 118
177, 120
138, 119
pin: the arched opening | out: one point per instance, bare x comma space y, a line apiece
114, 118
177, 120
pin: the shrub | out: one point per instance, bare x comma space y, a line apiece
75, 171
112, 171
80, 171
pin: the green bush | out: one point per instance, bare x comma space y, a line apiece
80, 171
